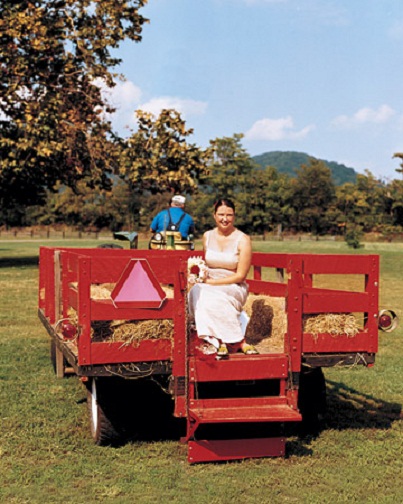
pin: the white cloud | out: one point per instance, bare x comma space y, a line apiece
123, 94
276, 129
125, 98
185, 107
365, 115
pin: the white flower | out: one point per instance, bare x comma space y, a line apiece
197, 270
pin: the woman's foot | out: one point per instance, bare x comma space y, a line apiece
222, 350
207, 349
249, 349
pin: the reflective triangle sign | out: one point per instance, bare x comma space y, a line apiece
138, 287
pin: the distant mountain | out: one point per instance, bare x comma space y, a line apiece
288, 161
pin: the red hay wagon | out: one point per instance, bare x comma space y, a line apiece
230, 409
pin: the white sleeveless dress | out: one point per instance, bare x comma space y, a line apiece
216, 309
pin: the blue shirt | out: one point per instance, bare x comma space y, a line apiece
161, 220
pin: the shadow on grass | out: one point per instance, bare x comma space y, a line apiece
350, 409
148, 416
19, 262
347, 408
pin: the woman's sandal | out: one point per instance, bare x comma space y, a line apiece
207, 349
222, 351
249, 350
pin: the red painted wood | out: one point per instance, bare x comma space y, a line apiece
147, 351
104, 309
270, 260
181, 340
267, 288
49, 283
332, 301
84, 311
238, 367
243, 410
327, 343
338, 264
234, 449
293, 338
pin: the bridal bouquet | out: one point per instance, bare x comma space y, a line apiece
197, 270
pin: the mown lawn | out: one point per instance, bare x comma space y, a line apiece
47, 454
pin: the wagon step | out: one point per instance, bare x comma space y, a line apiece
234, 449
245, 414
238, 367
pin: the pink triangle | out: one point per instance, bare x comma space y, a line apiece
137, 287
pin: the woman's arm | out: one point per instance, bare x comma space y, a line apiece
245, 259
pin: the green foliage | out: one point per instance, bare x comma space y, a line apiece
354, 236
288, 161
53, 129
157, 157
312, 194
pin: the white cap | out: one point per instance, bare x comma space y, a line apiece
178, 200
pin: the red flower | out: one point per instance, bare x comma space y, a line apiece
195, 270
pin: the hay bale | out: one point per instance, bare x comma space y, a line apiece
336, 324
101, 291
268, 322
133, 332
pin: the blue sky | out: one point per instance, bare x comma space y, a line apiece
317, 76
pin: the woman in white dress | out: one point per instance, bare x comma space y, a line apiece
216, 304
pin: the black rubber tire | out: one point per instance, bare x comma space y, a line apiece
103, 412
312, 398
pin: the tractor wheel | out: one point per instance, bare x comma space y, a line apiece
312, 398
103, 413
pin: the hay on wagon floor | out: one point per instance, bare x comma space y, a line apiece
268, 323
128, 332
335, 324
266, 329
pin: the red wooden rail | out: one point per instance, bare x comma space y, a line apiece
66, 276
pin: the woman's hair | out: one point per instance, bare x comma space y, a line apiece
223, 202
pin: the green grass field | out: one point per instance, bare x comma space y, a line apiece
48, 456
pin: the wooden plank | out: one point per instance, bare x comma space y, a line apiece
147, 351
104, 309
340, 264
273, 289
239, 367
327, 343
234, 449
333, 301
242, 412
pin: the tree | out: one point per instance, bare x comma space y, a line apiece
312, 194
268, 195
400, 156
157, 157
230, 167
52, 113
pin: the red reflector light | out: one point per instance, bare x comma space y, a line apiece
69, 331
387, 320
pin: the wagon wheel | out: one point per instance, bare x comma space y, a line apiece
312, 398
103, 412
